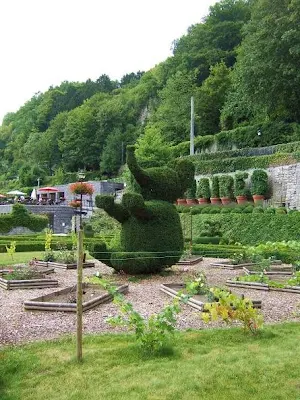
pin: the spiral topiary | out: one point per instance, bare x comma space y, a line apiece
151, 235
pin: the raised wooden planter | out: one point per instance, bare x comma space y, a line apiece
57, 301
37, 283
229, 265
247, 285
63, 266
191, 261
42, 270
262, 286
197, 301
275, 270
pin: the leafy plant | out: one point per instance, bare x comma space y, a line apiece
240, 188
22, 273
203, 189
11, 249
49, 254
198, 285
215, 190
211, 228
259, 182
230, 308
226, 186
152, 334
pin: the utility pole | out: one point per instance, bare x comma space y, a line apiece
38, 183
122, 154
192, 149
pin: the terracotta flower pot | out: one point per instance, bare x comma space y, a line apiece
225, 200
181, 202
241, 199
258, 198
202, 201
191, 202
215, 200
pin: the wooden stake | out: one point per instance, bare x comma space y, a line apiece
79, 292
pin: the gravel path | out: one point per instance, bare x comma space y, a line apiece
18, 326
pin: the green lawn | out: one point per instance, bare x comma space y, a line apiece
21, 257
210, 365
24, 257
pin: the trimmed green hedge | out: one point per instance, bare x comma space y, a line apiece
242, 163
216, 251
21, 217
39, 245
251, 229
245, 137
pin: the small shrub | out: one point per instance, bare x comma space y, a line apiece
203, 189
152, 334
230, 308
259, 182
215, 189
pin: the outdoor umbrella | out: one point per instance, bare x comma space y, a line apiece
16, 193
48, 189
33, 194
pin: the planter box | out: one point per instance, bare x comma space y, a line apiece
262, 286
229, 265
62, 265
65, 299
37, 283
273, 271
197, 301
247, 285
191, 261
42, 270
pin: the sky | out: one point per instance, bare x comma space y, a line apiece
45, 42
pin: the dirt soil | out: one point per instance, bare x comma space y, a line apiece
19, 326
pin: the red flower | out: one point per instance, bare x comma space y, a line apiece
81, 188
75, 203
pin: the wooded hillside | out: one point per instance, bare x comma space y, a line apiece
240, 64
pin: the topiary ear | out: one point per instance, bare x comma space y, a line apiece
185, 170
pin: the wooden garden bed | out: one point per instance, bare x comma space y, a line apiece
190, 261
36, 283
197, 301
262, 286
275, 270
229, 265
65, 299
42, 270
62, 265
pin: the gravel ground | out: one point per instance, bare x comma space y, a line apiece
19, 326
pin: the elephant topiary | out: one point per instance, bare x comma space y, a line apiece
151, 235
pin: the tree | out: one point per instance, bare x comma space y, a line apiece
210, 99
152, 149
266, 78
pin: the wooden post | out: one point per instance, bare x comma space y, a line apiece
79, 293
79, 285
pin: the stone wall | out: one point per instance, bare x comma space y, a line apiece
285, 184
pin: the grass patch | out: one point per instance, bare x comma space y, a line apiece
211, 364
24, 257
5, 259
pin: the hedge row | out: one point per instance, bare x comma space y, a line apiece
216, 251
250, 229
272, 134
40, 245
21, 217
233, 208
242, 163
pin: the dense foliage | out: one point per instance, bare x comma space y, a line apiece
151, 235
240, 64
21, 217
